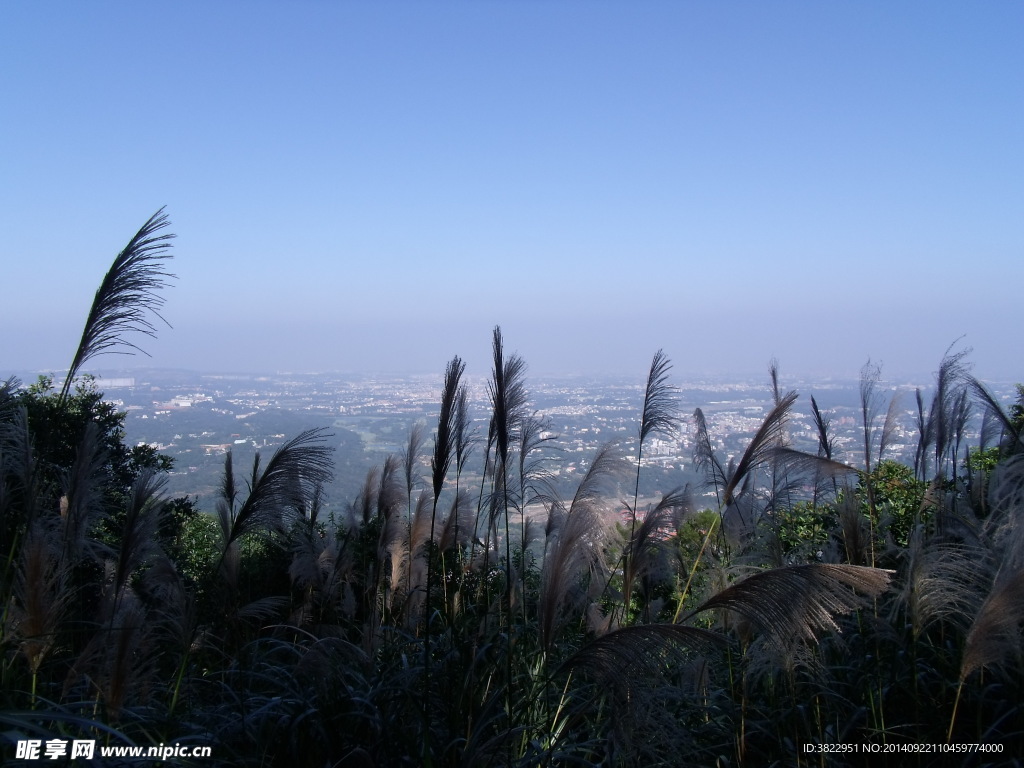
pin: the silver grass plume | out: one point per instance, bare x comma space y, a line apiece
995, 410
389, 501
366, 502
138, 541
889, 425
22, 467
421, 536
42, 595
507, 390
820, 465
446, 439
870, 405
82, 503
823, 426
532, 435
575, 552
389, 494
659, 416
410, 466
410, 461
458, 523
761, 447
464, 433
780, 492
7, 399
126, 297
995, 632
289, 481
704, 456
941, 581
660, 407
798, 602
120, 659
1004, 526
652, 538
942, 417
625, 657
660, 413
852, 524
446, 446
924, 437
508, 402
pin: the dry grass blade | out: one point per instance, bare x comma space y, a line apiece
799, 601
126, 296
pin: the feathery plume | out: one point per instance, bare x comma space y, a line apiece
126, 296
761, 447
799, 601
295, 470
660, 408
446, 440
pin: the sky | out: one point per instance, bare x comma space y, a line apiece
367, 187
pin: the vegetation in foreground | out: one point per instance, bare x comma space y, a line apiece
438, 624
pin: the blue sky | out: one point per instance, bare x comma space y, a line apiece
366, 187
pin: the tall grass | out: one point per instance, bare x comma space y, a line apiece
418, 625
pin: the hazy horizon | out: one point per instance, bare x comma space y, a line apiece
365, 188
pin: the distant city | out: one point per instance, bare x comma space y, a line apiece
196, 418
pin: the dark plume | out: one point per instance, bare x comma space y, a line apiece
660, 409
507, 389
446, 441
126, 297
799, 601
